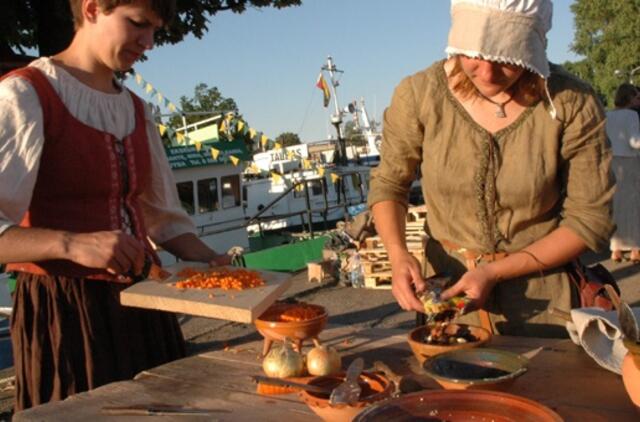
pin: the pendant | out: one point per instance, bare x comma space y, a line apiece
500, 114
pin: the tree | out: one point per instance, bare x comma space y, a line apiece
288, 139
204, 100
47, 25
353, 135
608, 36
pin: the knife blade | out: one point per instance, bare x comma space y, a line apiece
144, 410
349, 391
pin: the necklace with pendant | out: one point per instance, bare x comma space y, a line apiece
500, 113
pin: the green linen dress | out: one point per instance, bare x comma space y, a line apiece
499, 192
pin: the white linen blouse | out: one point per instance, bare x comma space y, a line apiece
22, 139
623, 130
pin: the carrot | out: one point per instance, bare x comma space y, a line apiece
268, 389
237, 279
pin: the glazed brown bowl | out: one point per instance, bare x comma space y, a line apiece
476, 369
273, 329
423, 350
375, 387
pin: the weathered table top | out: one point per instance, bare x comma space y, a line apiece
561, 376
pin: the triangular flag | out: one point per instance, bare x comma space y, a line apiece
334, 177
252, 133
162, 129
223, 127
235, 160
299, 187
160, 97
290, 155
172, 107
215, 153
198, 146
180, 137
276, 177
148, 88
321, 171
240, 125
263, 140
277, 145
138, 79
306, 164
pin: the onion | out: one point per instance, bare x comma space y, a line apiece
323, 360
283, 362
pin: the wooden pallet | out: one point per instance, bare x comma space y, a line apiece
380, 281
372, 268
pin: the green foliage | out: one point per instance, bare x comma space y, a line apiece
353, 135
204, 100
48, 25
608, 36
288, 139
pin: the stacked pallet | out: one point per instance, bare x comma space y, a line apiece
375, 260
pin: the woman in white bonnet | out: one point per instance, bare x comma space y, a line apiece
515, 170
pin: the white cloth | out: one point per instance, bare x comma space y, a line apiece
623, 130
598, 332
22, 139
506, 31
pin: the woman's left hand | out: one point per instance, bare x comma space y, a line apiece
475, 284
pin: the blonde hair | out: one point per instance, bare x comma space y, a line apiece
530, 85
165, 9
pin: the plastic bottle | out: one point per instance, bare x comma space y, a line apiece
355, 275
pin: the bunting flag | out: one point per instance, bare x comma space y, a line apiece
160, 98
138, 79
215, 153
235, 160
276, 177
240, 126
180, 137
162, 129
322, 84
148, 88
321, 171
334, 177
263, 140
252, 133
172, 107
222, 127
198, 145
306, 164
277, 145
299, 187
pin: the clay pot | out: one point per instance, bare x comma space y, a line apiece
422, 350
375, 387
476, 369
296, 331
631, 377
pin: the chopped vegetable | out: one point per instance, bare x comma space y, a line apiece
224, 278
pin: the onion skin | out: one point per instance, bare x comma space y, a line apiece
323, 360
283, 362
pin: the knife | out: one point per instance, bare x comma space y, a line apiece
144, 410
349, 391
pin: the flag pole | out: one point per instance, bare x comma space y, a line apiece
336, 119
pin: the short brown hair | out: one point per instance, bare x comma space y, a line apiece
530, 84
165, 9
625, 94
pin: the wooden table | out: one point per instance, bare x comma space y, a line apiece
561, 376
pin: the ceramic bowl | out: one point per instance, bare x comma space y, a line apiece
476, 369
423, 350
375, 387
273, 329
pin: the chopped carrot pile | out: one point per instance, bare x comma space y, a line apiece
224, 278
300, 312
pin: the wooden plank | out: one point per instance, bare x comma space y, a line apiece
233, 305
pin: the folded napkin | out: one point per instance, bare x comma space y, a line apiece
599, 334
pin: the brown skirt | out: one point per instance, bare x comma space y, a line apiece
72, 335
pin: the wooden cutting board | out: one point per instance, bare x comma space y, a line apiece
233, 305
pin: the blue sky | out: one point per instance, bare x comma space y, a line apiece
268, 60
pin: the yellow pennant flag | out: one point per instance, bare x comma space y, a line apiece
240, 125
223, 127
263, 140
160, 97
198, 146
215, 153
180, 137
321, 171
148, 88
252, 133
334, 177
277, 145
235, 160
172, 107
276, 177
162, 129
138, 79
290, 155
299, 187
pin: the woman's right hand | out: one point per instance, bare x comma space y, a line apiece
406, 280
114, 251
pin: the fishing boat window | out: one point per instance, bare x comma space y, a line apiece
208, 195
355, 181
316, 187
230, 191
185, 193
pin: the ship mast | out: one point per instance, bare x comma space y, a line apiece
336, 119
